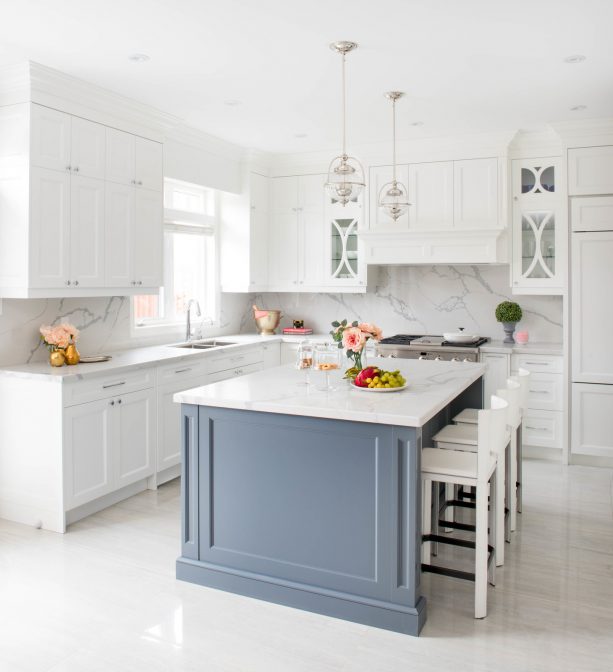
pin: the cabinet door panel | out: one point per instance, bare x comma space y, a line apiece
283, 234
148, 162
88, 440
49, 228
379, 176
311, 230
431, 195
148, 236
88, 148
259, 230
592, 420
50, 138
592, 323
475, 194
590, 171
87, 231
119, 233
119, 156
135, 449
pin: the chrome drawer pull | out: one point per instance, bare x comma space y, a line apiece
537, 429
538, 363
123, 382
189, 368
538, 392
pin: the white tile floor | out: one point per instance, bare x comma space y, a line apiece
104, 598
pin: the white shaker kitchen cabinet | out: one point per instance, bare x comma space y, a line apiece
311, 230
592, 323
134, 425
120, 156
88, 452
50, 138
592, 213
431, 195
475, 194
283, 234
147, 239
119, 234
87, 232
49, 241
88, 148
592, 420
244, 245
148, 164
496, 374
590, 171
378, 177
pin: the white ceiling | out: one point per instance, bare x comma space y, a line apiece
466, 65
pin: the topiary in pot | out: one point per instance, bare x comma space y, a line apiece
509, 313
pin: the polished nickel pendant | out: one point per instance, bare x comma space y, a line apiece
393, 197
345, 175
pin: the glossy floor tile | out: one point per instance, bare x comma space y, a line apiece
103, 597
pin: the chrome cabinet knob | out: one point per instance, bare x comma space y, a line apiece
67, 282
76, 170
112, 403
68, 167
119, 401
76, 282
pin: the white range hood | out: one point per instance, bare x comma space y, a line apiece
435, 247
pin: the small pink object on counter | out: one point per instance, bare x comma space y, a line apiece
521, 337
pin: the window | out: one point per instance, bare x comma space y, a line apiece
190, 269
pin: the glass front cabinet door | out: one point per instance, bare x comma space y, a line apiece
345, 257
539, 226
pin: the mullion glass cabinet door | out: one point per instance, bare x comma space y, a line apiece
539, 226
344, 248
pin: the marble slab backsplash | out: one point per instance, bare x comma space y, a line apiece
415, 299
426, 300
104, 324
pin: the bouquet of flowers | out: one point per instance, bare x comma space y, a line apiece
353, 338
58, 337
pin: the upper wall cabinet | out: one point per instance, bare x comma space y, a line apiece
540, 226
590, 171
64, 229
475, 194
431, 195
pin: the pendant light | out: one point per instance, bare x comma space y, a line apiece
345, 174
393, 197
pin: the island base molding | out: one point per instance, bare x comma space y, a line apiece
406, 620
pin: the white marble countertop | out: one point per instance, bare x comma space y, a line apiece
432, 385
528, 349
146, 356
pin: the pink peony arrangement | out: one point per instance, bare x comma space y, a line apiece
353, 338
59, 336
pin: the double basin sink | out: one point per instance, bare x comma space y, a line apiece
203, 344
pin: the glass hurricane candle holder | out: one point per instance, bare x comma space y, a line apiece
327, 360
304, 361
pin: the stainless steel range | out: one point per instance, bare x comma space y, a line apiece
435, 348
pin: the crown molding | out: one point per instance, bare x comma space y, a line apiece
585, 132
186, 135
529, 143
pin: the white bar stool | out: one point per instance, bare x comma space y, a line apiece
523, 378
470, 469
511, 394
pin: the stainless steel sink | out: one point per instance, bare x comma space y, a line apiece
205, 344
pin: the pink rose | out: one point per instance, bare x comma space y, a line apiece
371, 330
353, 339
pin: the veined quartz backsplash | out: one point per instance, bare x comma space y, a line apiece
415, 299
104, 324
426, 300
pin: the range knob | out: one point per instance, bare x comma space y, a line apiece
438, 358
423, 356
468, 359
456, 359
392, 356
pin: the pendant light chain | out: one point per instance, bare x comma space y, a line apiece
344, 107
394, 139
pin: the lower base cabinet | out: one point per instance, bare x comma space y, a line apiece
592, 420
108, 444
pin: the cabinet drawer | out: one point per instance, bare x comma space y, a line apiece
537, 363
545, 391
235, 360
194, 367
543, 428
241, 370
102, 387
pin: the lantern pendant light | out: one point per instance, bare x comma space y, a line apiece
393, 197
345, 174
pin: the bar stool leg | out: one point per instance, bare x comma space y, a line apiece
481, 552
426, 547
498, 502
492, 523
449, 513
507, 492
512, 480
520, 450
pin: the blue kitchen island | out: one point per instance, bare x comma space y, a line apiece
312, 499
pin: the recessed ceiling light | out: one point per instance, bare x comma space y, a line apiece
138, 58
578, 108
417, 123
574, 58
300, 135
232, 103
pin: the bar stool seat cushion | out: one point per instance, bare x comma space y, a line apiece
450, 463
468, 416
462, 434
